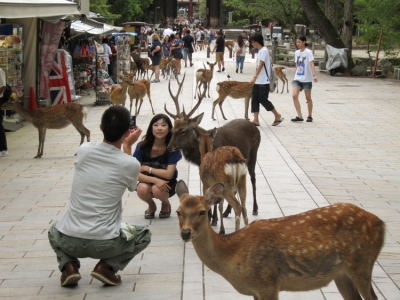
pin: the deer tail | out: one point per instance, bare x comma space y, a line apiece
84, 111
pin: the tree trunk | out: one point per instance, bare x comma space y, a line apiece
323, 25
331, 8
347, 32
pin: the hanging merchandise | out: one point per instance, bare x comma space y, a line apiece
102, 80
123, 56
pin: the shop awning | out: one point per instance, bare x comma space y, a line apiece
81, 27
11, 9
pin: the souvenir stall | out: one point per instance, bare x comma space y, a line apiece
102, 80
122, 41
11, 62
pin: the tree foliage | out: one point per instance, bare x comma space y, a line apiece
374, 15
103, 8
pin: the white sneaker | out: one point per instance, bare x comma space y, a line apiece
3, 153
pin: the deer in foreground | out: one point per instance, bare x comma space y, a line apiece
281, 74
118, 91
301, 252
53, 117
204, 75
238, 133
225, 165
137, 91
236, 90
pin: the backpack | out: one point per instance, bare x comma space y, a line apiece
202, 36
272, 79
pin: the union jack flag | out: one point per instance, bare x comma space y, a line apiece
58, 81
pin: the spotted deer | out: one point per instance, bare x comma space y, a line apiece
204, 75
281, 74
118, 91
137, 91
301, 252
52, 117
184, 138
236, 90
225, 165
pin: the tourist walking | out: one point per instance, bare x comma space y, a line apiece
303, 78
219, 49
261, 82
239, 49
188, 47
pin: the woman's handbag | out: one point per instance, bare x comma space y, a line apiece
239, 52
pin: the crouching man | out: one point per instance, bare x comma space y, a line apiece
92, 225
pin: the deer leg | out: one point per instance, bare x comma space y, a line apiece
251, 166
287, 85
230, 197
246, 108
361, 277
346, 288
42, 135
151, 104
221, 207
220, 107
277, 86
140, 105
227, 211
83, 131
214, 221
208, 87
242, 195
213, 109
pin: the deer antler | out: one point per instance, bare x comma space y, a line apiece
175, 98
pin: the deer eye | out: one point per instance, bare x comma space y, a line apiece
178, 213
183, 132
202, 213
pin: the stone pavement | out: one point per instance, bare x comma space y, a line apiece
350, 153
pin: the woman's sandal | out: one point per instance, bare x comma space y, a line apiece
164, 215
148, 215
297, 119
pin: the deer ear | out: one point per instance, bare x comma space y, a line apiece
181, 189
197, 120
214, 132
214, 194
197, 133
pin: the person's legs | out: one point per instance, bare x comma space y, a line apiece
157, 72
190, 58
263, 98
178, 65
241, 63
295, 96
222, 62
255, 104
237, 63
307, 93
3, 140
185, 54
162, 196
144, 193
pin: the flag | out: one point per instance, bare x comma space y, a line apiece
58, 81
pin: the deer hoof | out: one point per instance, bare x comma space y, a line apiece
255, 213
225, 214
214, 223
222, 232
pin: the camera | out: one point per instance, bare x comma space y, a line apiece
132, 123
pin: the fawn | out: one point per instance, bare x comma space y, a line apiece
281, 74
225, 165
53, 117
137, 91
204, 75
302, 252
118, 91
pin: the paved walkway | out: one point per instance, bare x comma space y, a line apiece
350, 153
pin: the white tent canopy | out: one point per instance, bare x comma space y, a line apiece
37, 8
78, 26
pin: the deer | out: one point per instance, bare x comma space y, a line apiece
53, 117
202, 75
149, 68
118, 91
225, 165
184, 138
173, 66
140, 63
302, 252
229, 44
137, 91
281, 74
236, 90
164, 66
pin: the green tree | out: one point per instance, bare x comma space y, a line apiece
374, 15
101, 7
130, 10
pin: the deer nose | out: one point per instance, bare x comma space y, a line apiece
169, 148
185, 234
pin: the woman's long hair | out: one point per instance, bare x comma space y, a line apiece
148, 139
240, 41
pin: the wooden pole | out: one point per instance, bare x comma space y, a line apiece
377, 53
